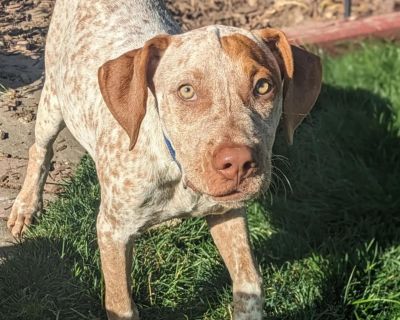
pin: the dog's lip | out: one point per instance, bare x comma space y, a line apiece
233, 195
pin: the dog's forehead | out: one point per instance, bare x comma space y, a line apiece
209, 38
216, 32
217, 45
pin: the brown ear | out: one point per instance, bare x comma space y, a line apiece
302, 73
124, 82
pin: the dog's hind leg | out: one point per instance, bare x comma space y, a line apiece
29, 201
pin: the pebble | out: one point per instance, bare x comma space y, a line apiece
3, 134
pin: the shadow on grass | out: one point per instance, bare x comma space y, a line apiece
344, 208
18, 69
344, 169
36, 283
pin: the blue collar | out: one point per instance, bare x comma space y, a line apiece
172, 151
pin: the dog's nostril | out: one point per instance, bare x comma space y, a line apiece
248, 165
227, 166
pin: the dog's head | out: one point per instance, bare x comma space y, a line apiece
220, 93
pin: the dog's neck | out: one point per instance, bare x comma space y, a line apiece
148, 14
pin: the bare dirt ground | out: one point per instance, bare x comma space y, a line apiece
254, 14
23, 27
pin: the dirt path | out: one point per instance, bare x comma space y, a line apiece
23, 26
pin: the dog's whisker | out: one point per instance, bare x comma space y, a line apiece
284, 176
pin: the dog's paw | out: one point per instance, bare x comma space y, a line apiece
22, 213
247, 306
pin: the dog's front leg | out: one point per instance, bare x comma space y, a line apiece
230, 235
116, 261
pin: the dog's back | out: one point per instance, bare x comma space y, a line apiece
83, 34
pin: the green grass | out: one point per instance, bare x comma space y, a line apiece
328, 243
3, 89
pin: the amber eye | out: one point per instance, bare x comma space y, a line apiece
186, 92
262, 86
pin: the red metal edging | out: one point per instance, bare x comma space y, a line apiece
329, 32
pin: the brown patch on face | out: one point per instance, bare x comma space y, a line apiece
253, 59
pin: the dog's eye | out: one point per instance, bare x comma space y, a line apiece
186, 92
262, 87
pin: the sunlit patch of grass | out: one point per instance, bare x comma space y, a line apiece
3, 89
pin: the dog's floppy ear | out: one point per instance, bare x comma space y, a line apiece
124, 83
302, 74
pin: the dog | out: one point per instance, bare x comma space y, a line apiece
178, 124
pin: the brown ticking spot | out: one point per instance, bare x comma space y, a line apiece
177, 42
111, 218
152, 158
52, 88
111, 8
115, 206
106, 180
140, 175
83, 50
102, 139
216, 117
115, 189
82, 19
90, 122
77, 87
114, 172
128, 183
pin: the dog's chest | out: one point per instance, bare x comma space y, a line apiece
171, 199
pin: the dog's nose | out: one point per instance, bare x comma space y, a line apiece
234, 162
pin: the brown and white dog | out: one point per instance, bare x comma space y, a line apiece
178, 124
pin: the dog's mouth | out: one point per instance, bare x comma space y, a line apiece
234, 195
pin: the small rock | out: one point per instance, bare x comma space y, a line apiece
31, 46
61, 148
3, 135
5, 155
22, 42
27, 118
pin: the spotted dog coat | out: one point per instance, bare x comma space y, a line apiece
114, 76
